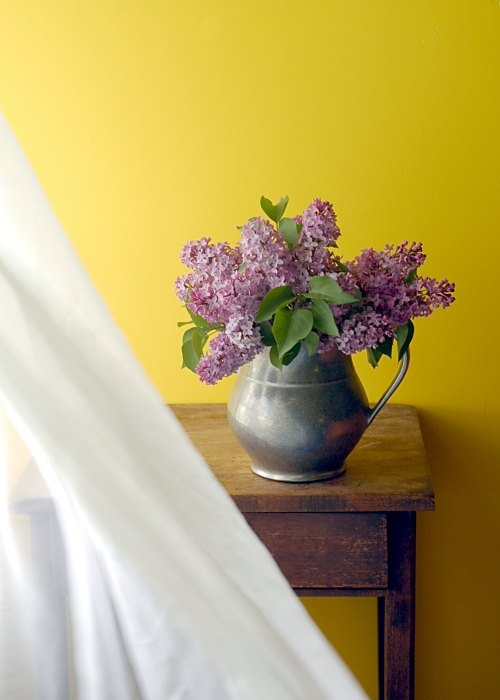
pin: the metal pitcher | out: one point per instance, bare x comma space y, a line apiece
299, 424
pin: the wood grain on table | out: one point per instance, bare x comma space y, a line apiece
387, 471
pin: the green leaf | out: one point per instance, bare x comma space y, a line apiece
411, 276
374, 356
278, 361
281, 324
323, 318
280, 208
385, 348
334, 301
204, 339
330, 291
311, 342
341, 266
291, 354
274, 211
188, 335
404, 336
197, 320
275, 299
275, 359
292, 326
266, 333
242, 267
269, 208
183, 323
289, 230
191, 352
238, 227
198, 341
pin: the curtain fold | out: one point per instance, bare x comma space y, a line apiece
126, 569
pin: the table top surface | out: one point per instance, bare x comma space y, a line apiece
387, 471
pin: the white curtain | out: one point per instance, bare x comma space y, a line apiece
126, 571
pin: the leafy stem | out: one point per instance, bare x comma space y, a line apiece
286, 319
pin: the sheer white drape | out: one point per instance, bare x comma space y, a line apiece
126, 570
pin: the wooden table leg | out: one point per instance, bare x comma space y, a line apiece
396, 612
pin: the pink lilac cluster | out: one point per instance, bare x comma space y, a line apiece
319, 233
392, 294
226, 285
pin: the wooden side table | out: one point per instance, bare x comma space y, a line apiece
353, 535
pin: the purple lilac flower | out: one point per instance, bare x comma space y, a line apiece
390, 298
319, 232
264, 250
226, 285
226, 356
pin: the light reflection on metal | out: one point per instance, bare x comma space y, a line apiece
300, 424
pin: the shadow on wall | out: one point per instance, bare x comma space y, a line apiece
458, 562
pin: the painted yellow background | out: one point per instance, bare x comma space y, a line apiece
153, 122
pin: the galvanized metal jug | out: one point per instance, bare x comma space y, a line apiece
300, 424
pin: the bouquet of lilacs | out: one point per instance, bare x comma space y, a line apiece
284, 285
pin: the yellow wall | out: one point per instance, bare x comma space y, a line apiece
152, 122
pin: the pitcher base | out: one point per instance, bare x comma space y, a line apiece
297, 478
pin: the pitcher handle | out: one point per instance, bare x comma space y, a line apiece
403, 368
